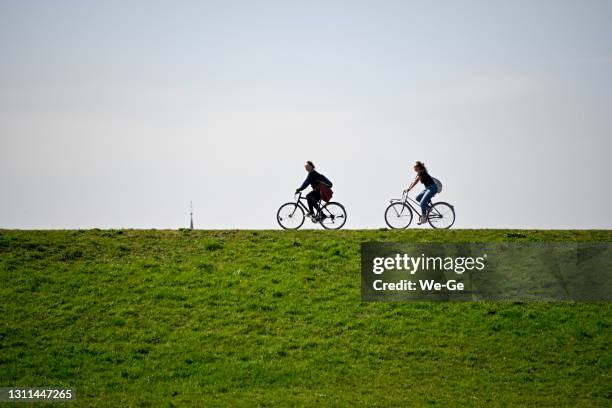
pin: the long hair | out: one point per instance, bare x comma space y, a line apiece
420, 165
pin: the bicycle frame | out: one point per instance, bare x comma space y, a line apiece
304, 207
300, 203
411, 202
414, 205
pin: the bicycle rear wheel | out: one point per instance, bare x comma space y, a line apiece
441, 215
290, 216
398, 215
333, 216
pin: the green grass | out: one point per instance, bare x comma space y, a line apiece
274, 318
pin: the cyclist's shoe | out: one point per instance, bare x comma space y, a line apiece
318, 217
423, 219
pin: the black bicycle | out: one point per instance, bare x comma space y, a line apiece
292, 215
399, 213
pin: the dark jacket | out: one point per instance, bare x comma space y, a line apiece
426, 178
314, 178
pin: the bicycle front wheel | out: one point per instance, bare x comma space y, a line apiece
398, 215
290, 216
333, 216
441, 215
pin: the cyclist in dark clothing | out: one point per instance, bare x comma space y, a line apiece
424, 197
317, 181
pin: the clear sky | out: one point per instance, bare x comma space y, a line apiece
116, 114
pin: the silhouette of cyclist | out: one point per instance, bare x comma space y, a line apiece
321, 188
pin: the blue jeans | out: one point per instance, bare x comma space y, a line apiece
424, 197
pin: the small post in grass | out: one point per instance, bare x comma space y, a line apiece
191, 215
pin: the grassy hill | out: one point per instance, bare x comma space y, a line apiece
274, 318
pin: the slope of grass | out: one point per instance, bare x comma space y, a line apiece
274, 318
